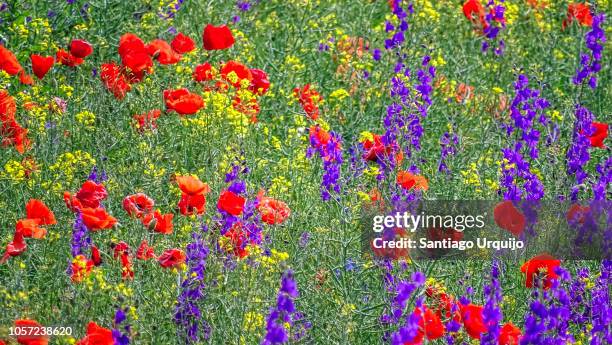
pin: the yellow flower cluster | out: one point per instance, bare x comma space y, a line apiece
67, 166
219, 105
246, 47
5, 79
37, 30
252, 321
86, 118
13, 170
274, 260
280, 185
427, 11
294, 63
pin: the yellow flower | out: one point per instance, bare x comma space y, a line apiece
339, 94
86, 118
14, 171
252, 321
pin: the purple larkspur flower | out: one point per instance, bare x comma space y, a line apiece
283, 312
492, 313
448, 147
121, 329
243, 5
591, 63
191, 327
401, 313
601, 308
547, 320
578, 154
518, 180
496, 22
81, 242
330, 153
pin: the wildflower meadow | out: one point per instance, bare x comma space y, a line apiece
268, 171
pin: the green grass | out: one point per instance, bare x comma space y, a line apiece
343, 306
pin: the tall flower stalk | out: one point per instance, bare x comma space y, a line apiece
518, 181
578, 154
492, 313
284, 313
495, 23
191, 327
590, 64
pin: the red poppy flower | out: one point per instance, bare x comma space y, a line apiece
580, 12
234, 72
90, 195
182, 101
190, 204
97, 335
137, 205
144, 252
172, 258
194, 195
309, 100
192, 185
600, 133
541, 267
9, 62
147, 121
29, 228
127, 272
97, 219
508, 217
443, 303
67, 59
80, 48
95, 256
203, 72
375, 149
161, 50
122, 251
474, 11
473, 321
114, 80
34, 338
158, 222
408, 180
577, 213
41, 64
429, 323
182, 44
272, 211
231, 203
14, 248
509, 334
25, 78
319, 136
36, 209
12, 134
130, 42
134, 54
260, 83
81, 267
238, 240
8, 108
217, 37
